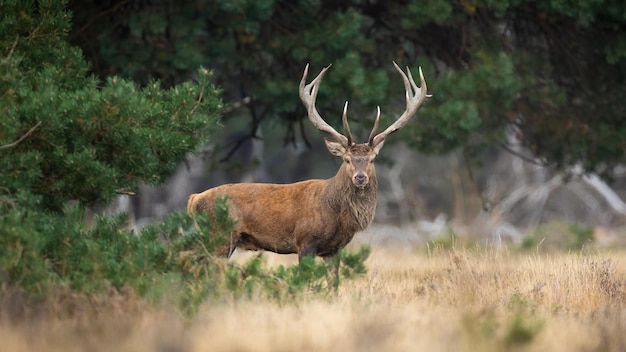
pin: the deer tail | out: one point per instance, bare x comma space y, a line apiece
191, 203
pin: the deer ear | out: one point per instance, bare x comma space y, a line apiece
335, 148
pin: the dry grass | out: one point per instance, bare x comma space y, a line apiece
441, 300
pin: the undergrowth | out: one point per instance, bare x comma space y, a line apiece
168, 263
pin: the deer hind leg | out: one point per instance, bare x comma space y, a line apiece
231, 250
226, 250
243, 241
333, 274
235, 239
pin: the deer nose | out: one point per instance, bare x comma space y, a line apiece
360, 179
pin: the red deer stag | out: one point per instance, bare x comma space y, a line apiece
313, 217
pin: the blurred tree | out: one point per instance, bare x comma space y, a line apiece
554, 69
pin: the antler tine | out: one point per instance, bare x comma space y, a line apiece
346, 127
308, 95
415, 96
375, 128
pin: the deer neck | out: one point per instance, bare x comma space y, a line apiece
355, 203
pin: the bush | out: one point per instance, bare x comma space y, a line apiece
172, 262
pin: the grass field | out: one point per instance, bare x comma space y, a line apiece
410, 300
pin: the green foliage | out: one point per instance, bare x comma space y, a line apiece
22, 260
558, 236
522, 326
40, 251
173, 262
85, 140
310, 276
467, 105
582, 236
554, 69
521, 330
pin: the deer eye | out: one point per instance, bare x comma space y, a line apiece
347, 161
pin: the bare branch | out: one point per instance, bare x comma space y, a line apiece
12, 50
236, 105
527, 159
11, 145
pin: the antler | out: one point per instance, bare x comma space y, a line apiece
308, 94
415, 96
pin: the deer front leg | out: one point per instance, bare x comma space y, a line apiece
307, 251
333, 275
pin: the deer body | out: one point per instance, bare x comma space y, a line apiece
313, 217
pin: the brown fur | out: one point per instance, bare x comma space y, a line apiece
314, 217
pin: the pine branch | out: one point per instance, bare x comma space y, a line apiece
236, 105
11, 145
11, 51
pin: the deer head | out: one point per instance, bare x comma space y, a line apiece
358, 158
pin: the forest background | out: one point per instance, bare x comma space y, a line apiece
525, 125
126, 107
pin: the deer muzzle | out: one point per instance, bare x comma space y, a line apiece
360, 179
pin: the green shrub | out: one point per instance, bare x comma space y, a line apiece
310, 276
558, 236
172, 262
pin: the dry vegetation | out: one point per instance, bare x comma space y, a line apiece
411, 299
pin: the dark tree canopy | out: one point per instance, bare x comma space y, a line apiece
86, 139
552, 69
